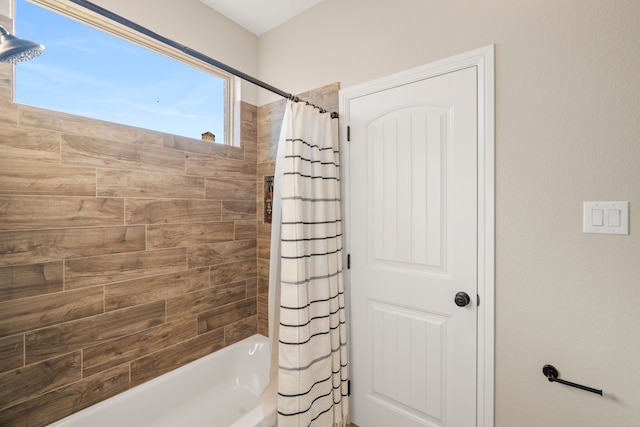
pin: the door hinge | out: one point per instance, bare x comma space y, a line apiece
477, 295
348, 387
348, 261
348, 133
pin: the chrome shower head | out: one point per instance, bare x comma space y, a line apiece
13, 49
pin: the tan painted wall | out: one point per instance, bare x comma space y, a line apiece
567, 131
5, 9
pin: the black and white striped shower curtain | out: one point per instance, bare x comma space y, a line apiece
307, 304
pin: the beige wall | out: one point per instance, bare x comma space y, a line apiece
5, 9
567, 131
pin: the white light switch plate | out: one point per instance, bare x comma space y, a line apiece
606, 217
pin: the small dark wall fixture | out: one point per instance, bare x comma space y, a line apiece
268, 199
551, 373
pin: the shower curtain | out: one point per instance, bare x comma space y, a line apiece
306, 293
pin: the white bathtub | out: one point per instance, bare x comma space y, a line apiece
219, 390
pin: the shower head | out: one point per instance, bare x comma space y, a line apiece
13, 49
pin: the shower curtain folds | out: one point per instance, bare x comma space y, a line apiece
306, 292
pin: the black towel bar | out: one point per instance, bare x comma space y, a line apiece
551, 373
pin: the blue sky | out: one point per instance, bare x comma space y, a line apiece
90, 73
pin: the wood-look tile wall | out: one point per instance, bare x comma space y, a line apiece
269, 124
124, 253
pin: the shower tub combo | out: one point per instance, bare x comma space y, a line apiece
219, 390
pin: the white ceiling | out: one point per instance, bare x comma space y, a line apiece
259, 16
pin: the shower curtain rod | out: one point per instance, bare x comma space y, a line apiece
193, 53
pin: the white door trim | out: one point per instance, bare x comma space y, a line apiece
483, 59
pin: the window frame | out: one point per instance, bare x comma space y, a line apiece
109, 26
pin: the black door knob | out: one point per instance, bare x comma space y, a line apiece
462, 299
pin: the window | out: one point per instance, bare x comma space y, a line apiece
129, 78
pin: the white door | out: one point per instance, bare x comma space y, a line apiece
412, 238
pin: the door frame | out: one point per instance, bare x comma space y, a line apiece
483, 59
